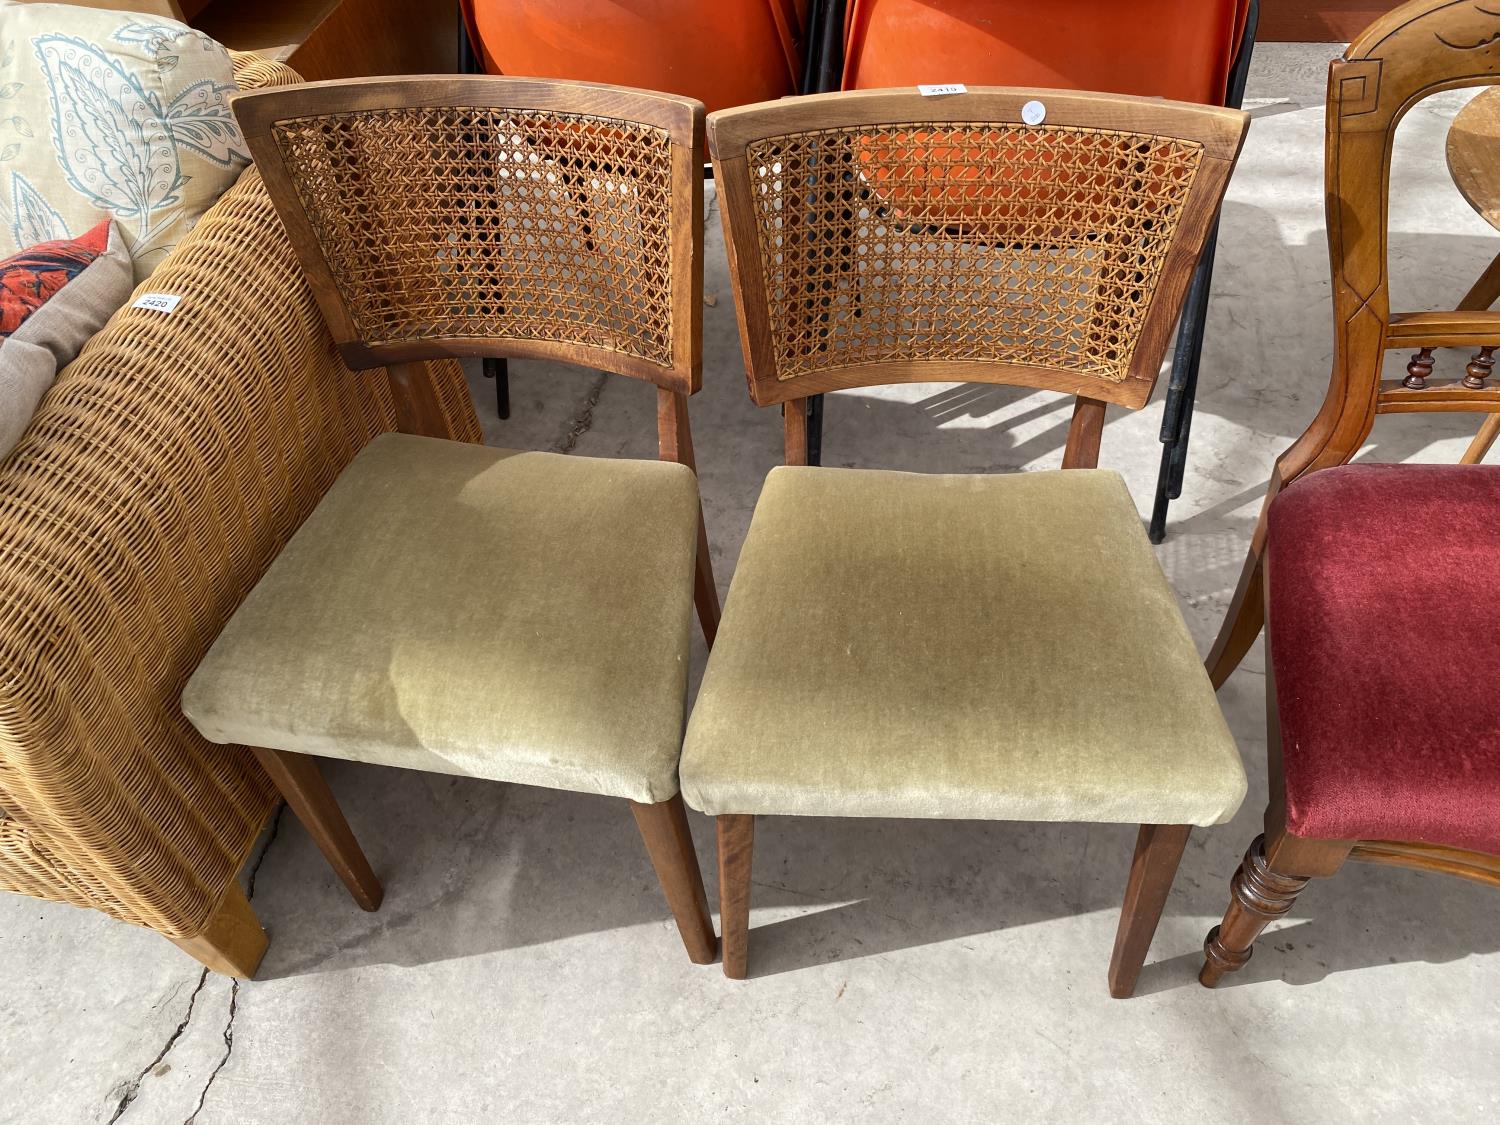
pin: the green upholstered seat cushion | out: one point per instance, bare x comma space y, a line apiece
447, 607
989, 647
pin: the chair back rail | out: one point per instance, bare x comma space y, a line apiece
1419, 49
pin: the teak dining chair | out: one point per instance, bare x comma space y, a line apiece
511, 615
1377, 577
989, 647
1195, 52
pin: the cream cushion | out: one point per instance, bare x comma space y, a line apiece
990, 647
107, 113
448, 607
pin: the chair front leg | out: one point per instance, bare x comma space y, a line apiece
1158, 849
1263, 889
669, 843
736, 840
302, 786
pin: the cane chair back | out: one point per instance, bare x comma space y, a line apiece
886, 237
494, 216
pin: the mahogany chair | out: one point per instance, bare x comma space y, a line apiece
1373, 573
1196, 52
993, 647
1420, 48
492, 613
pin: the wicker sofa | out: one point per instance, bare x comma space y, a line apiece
161, 476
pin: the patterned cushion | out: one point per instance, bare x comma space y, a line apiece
53, 297
110, 113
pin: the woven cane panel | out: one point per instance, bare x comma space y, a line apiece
526, 225
160, 477
985, 242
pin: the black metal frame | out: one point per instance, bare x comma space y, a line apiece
823, 71
494, 367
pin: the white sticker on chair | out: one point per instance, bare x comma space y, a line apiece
156, 302
945, 88
1033, 113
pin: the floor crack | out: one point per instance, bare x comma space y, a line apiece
234, 989
584, 420
133, 1087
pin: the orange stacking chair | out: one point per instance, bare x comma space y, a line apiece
725, 53
1187, 50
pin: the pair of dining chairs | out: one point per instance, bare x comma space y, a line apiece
1196, 52
894, 645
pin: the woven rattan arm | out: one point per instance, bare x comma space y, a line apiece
159, 479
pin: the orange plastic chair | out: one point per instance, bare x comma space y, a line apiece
725, 53
1182, 49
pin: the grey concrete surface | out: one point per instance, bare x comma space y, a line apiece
524, 969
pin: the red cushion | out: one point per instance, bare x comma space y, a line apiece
1385, 641
29, 278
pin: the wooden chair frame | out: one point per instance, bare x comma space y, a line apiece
1419, 49
664, 827
1221, 133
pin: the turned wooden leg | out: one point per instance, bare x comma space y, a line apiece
302, 785
705, 593
1262, 890
232, 942
669, 843
1158, 849
736, 840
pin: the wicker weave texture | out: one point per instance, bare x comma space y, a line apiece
454, 222
163, 473
1034, 246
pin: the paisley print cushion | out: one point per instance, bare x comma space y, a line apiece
111, 114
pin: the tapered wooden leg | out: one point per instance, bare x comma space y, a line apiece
1262, 890
736, 841
705, 593
669, 843
1485, 438
1158, 848
302, 785
232, 942
1245, 618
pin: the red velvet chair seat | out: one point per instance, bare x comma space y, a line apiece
1385, 640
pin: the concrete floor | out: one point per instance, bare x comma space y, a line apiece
523, 967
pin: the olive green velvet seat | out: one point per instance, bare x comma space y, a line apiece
990, 647
509, 615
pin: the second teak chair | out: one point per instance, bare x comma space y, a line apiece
966, 647
493, 613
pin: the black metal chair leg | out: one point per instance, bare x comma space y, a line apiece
1182, 388
822, 73
499, 370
